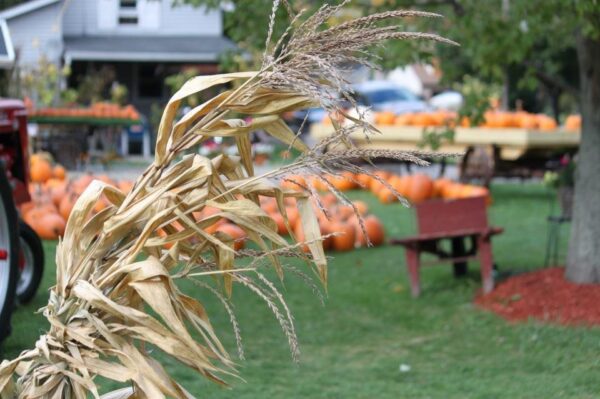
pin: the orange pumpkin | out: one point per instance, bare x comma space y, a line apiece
573, 123
438, 187
289, 201
53, 182
125, 186
328, 200
26, 207
452, 191
363, 180
66, 205
59, 172
100, 204
469, 191
294, 182
49, 227
207, 212
385, 118
375, 185
81, 183
325, 228
235, 233
33, 158
345, 238
374, 229
293, 215
420, 188
386, 196
163, 233
344, 182
422, 119
319, 184
40, 171
400, 184
268, 204
546, 123
300, 238
497, 119
527, 121
404, 120
280, 222
437, 118
361, 207
57, 193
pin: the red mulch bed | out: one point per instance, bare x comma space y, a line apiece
544, 295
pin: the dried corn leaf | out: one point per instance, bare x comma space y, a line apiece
114, 266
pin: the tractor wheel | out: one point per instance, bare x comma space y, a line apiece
31, 263
9, 247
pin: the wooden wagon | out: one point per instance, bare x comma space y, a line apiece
488, 151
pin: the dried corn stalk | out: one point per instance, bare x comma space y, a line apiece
130, 257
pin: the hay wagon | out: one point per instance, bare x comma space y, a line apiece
488, 152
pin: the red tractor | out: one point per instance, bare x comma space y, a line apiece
21, 251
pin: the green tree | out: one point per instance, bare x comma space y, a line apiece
4, 4
537, 36
583, 264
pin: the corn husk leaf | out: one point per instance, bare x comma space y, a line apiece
118, 296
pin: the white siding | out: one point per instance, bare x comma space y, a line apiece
156, 17
188, 20
37, 34
80, 17
149, 12
106, 10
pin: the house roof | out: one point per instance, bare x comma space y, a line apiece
7, 54
146, 48
25, 8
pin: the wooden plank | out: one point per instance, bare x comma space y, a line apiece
513, 142
79, 120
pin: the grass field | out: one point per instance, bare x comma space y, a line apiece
353, 346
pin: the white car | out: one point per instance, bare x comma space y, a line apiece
377, 95
382, 95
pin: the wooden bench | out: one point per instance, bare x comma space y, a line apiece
455, 220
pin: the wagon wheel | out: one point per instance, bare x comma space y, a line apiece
478, 163
31, 263
8, 250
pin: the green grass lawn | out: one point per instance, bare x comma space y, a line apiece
354, 345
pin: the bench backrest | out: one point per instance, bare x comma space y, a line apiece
446, 216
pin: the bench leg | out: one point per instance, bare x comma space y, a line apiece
487, 263
458, 250
412, 262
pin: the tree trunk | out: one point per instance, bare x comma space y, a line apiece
583, 263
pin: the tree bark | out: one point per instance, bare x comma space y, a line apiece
583, 262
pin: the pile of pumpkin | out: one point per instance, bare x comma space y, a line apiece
415, 188
97, 110
573, 123
492, 119
340, 225
338, 222
53, 196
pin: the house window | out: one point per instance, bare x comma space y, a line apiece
128, 12
128, 20
128, 4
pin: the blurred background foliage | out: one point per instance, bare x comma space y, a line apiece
528, 47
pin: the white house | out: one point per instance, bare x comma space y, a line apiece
142, 41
